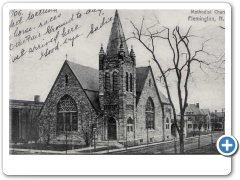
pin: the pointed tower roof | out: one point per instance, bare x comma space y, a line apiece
116, 37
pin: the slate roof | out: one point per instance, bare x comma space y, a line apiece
89, 79
87, 76
141, 76
94, 98
193, 108
219, 114
116, 37
205, 111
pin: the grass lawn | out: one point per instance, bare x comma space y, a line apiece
53, 147
209, 149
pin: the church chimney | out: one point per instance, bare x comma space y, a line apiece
197, 104
36, 99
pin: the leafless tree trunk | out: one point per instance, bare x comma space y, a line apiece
179, 43
89, 127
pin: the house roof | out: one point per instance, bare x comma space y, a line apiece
116, 38
87, 76
193, 108
12, 101
218, 114
205, 111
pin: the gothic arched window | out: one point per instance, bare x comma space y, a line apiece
107, 82
150, 114
131, 83
150, 83
130, 124
67, 115
167, 121
126, 81
115, 81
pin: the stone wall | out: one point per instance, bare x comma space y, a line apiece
48, 116
141, 131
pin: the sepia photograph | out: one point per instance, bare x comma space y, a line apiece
116, 81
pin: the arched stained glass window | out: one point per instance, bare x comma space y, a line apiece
107, 82
150, 114
115, 81
67, 115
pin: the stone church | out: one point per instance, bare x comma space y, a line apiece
121, 101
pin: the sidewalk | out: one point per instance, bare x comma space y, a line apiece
149, 145
73, 151
81, 151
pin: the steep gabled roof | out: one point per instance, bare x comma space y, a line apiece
88, 80
193, 108
218, 114
87, 76
116, 38
205, 111
141, 76
94, 98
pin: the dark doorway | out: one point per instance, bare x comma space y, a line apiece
112, 131
14, 125
173, 130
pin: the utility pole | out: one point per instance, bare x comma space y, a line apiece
147, 133
94, 136
66, 141
126, 137
175, 146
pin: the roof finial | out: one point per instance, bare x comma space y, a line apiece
149, 62
132, 54
66, 56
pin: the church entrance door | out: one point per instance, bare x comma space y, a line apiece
112, 131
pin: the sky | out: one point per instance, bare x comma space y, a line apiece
46, 38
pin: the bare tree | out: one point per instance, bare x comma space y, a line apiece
179, 43
90, 127
45, 122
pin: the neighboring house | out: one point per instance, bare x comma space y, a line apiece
196, 119
23, 120
125, 97
218, 120
207, 127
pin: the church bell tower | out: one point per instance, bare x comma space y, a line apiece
117, 86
